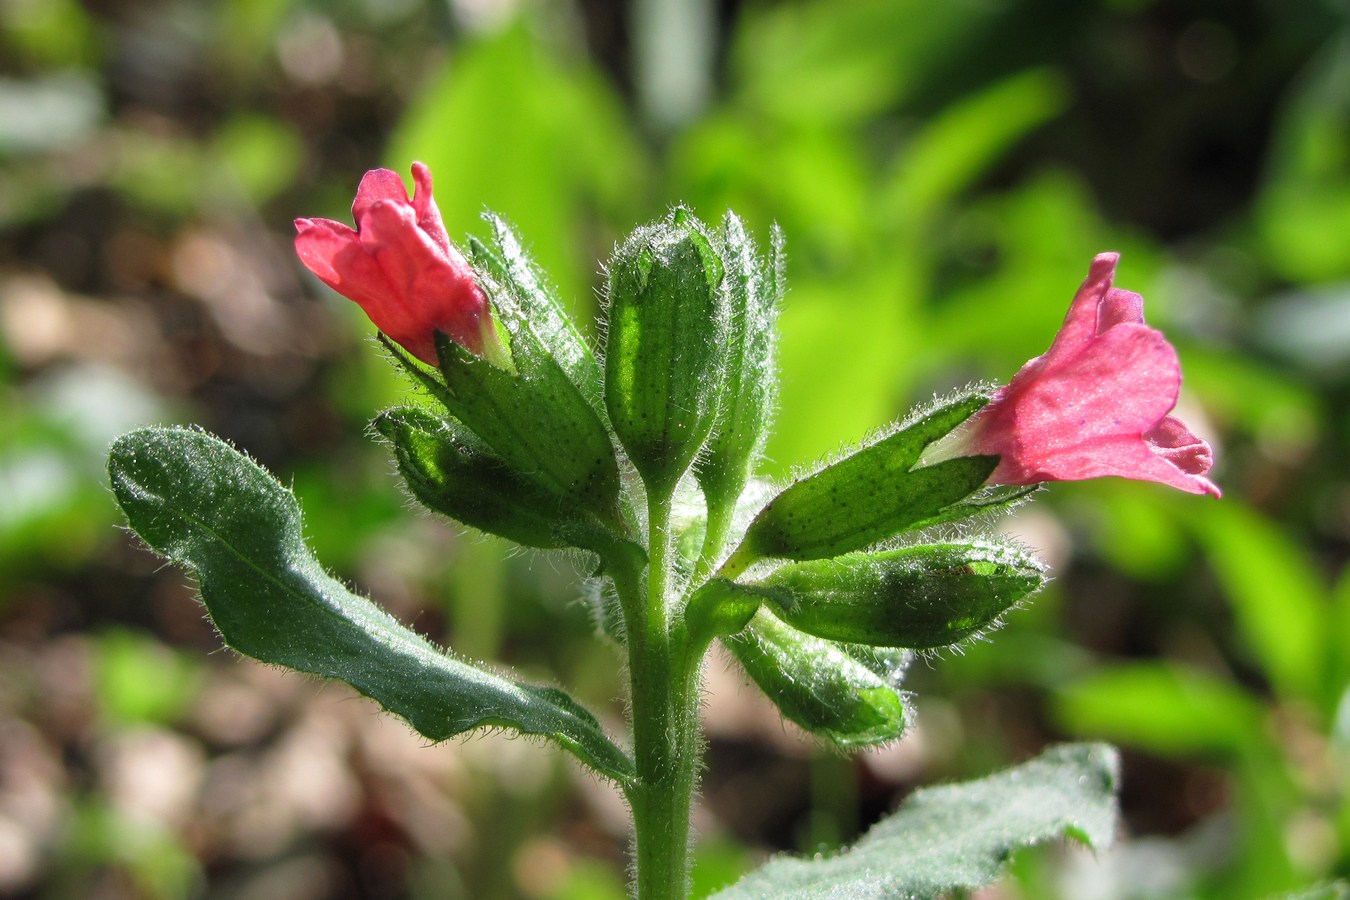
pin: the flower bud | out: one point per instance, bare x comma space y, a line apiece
820, 685
754, 287
534, 417
666, 344
448, 470
921, 597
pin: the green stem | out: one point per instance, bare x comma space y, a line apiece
664, 671
714, 539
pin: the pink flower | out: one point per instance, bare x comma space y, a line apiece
1096, 403
400, 266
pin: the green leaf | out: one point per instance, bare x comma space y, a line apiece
957, 836
1163, 708
526, 95
216, 513
922, 597
959, 144
821, 685
871, 495
666, 345
837, 64
754, 288
1280, 604
1305, 202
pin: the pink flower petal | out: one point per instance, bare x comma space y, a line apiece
390, 234
460, 309
1136, 459
317, 242
377, 185
1120, 307
1124, 456
400, 266
1096, 403
1122, 383
446, 297
1172, 440
428, 216
1080, 324
333, 252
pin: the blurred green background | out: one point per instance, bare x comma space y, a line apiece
943, 171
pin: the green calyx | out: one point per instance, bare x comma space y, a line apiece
665, 351
871, 495
827, 688
753, 288
922, 597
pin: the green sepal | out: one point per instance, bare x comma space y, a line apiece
508, 267
821, 685
213, 511
451, 472
922, 597
753, 287
871, 495
535, 419
957, 837
665, 346
888, 663
995, 498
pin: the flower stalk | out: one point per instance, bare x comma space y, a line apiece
664, 686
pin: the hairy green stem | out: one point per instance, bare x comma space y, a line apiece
664, 670
714, 540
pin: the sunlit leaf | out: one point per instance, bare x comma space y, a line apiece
1067, 791
1305, 205
208, 508
1280, 605
828, 62
490, 125
964, 140
1164, 708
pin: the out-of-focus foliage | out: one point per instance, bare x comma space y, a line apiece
943, 174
